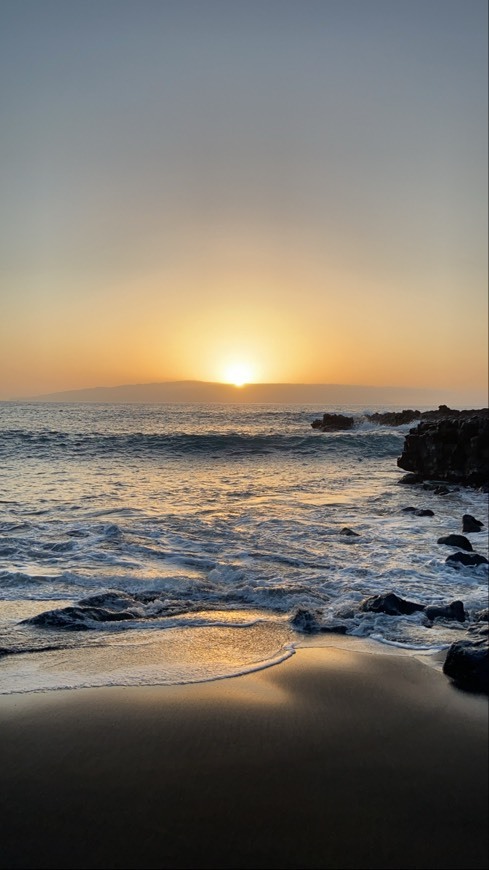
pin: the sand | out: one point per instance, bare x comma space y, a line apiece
333, 759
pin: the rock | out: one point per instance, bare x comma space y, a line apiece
425, 512
482, 615
467, 664
456, 541
333, 422
452, 447
469, 559
411, 478
307, 621
389, 603
455, 610
349, 532
394, 418
409, 510
441, 490
77, 618
470, 524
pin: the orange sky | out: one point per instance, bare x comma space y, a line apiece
195, 188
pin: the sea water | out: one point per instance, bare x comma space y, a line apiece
175, 543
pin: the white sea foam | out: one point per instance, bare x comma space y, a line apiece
202, 510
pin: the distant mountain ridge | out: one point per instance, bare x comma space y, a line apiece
166, 392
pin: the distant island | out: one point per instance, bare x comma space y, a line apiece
219, 393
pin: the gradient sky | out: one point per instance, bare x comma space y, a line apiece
297, 185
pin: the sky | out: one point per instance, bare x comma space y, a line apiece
243, 190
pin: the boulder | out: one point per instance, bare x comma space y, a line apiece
389, 603
469, 559
349, 532
452, 447
77, 618
455, 541
455, 610
470, 524
333, 422
425, 512
467, 664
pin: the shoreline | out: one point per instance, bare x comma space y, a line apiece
331, 759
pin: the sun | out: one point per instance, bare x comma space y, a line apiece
238, 373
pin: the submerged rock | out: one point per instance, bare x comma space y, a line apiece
468, 559
470, 524
467, 664
455, 541
349, 532
425, 512
391, 604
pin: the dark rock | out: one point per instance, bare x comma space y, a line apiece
470, 524
349, 532
310, 622
307, 621
77, 618
456, 541
389, 603
453, 446
409, 510
425, 512
467, 664
411, 478
469, 559
455, 610
394, 418
333, 422
482, 615
441, 490
113, 600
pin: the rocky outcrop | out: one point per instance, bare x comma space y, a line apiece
333, 422
394, 418
452, 447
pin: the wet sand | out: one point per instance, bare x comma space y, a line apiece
333, 759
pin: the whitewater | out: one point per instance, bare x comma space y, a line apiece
156, 544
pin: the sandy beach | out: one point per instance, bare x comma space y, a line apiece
333, 759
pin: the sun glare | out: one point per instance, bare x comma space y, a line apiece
238, 373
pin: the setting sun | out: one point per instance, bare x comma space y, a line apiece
238, 373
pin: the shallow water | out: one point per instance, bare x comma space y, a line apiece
213, 524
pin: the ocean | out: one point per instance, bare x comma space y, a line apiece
163, 544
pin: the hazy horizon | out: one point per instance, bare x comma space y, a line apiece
209, 392
278, 191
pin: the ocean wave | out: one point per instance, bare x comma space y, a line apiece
365, 440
